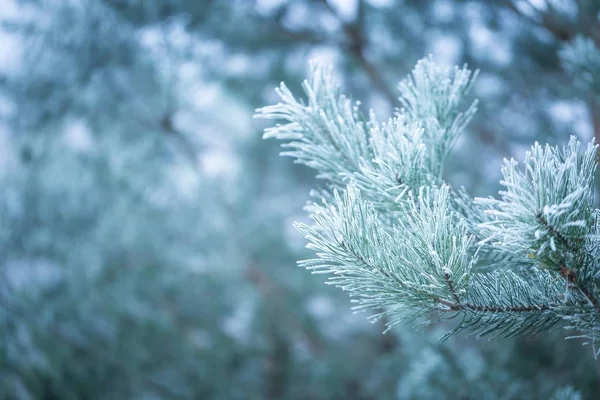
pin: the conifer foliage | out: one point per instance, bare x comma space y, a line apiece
401, 241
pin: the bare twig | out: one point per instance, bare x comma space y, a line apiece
165, 125
542, 20
356, 46
547, 21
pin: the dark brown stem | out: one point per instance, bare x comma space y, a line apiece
571, 277
553, 231
585, 25
165, 126
356, 45
543, 20
374, 75
451, 288
398, 179
589, 296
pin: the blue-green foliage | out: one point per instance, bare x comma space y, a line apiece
425, 260
146, 236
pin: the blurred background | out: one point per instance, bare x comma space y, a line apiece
146, 240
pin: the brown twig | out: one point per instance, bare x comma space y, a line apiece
166, 126
451, 288
553, 232
543, 20
357, 44
398, 179
571, 277
587, 26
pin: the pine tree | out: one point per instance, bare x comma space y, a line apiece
144, 227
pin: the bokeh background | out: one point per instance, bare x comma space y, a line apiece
146, 240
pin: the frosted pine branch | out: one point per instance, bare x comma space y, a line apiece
403, 243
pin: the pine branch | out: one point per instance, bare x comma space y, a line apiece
403, 281
456, 304
403, 243
329, 133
